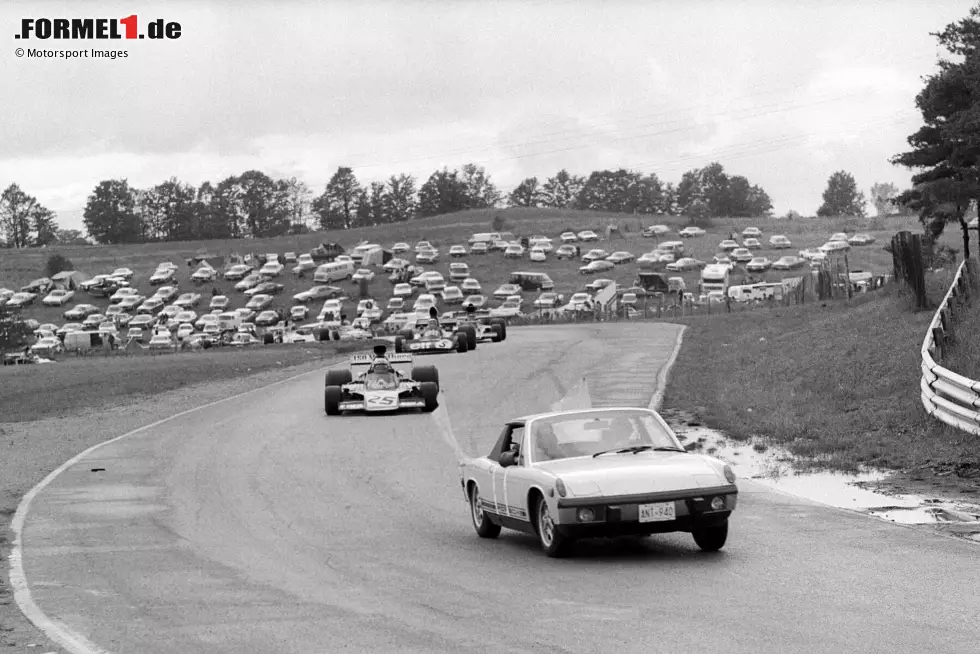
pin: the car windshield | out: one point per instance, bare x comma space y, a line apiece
589, 434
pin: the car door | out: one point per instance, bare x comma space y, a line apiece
517, 479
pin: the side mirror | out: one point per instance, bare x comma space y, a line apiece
508, 458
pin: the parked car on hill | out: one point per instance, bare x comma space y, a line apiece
587, 236
162, 276
259, 302
596, 267
752, 244
58, 297
691, 232
779, 242
271, 269
249, 281
594, 255
568, 237
753, 232
458, 251
267, 288
80, 312
188, 300
237, 272
471, 285
758, 264
620, 257
727, 245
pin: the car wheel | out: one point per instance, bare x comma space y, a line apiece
553, 542
711, 539
470, 332
503, 327
462, 343
497, 331
338, 377
484, 527
430, 393
424, 374
331, 400
399, 344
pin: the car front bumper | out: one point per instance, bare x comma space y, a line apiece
403, 403
619, 516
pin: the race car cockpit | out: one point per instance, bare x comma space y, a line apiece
432, 328
381, 375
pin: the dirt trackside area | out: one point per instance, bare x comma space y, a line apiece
837, 384
51, 412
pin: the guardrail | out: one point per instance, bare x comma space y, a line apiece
946, 395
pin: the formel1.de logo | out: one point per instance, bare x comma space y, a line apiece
96, 28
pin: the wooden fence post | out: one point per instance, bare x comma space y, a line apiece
847, 273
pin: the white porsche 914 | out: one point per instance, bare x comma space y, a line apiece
597, 473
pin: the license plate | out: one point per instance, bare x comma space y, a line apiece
660, 512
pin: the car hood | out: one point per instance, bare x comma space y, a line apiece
624, 474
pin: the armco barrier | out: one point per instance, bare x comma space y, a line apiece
950, 397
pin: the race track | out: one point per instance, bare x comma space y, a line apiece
261, 525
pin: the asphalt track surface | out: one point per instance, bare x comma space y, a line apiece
261, 525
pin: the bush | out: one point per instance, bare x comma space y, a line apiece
58, 263
498, 224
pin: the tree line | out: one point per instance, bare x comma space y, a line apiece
255, 205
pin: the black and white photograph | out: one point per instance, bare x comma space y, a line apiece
524, 326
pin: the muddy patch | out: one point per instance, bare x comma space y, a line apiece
864, 491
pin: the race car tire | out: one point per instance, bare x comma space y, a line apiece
335, 335
498, 331
331, 400
462, 343
711, 539
399, 344
407, 334
322, 334
470, 332
430, 393
552, 541
338, 377
424, 374
485, 528
503, 327
268, 339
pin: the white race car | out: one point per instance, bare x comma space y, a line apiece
597, 473
381, 383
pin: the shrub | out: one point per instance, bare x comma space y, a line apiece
498, 224
57, 263
13, 330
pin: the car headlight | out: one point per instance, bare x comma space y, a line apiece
586, 515
729, 474
560, 487
717, 503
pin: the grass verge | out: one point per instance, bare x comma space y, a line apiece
84, 383
837, 384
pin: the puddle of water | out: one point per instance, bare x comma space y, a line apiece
774, 468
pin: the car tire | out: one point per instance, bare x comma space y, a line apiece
407, 334
470, 332
268, 339
338, 377
553, 542
462, 343
430, 393
503, 327
335, 336
423, 374
711, 539
497, 333
484, 527
399, 344
331, 400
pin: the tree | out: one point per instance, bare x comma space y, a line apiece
70, 237
562, 190
13, 329
526, 194
841, 197
110, 213
480, 191
296, 201
168, 212
213, 221
337, 206
443, 192
946, 149
57, 263
400, 198
24, 221
881, 196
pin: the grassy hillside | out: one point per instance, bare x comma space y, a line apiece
17, 267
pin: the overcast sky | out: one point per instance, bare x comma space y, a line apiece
782, 92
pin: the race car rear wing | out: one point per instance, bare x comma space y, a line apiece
359, 363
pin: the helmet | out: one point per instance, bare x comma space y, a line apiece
381, 366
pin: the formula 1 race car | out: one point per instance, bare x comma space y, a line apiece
478, 325
381, 383
433, 338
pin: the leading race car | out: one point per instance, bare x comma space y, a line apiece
597, 473
432, 337
478, 324
381, 383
